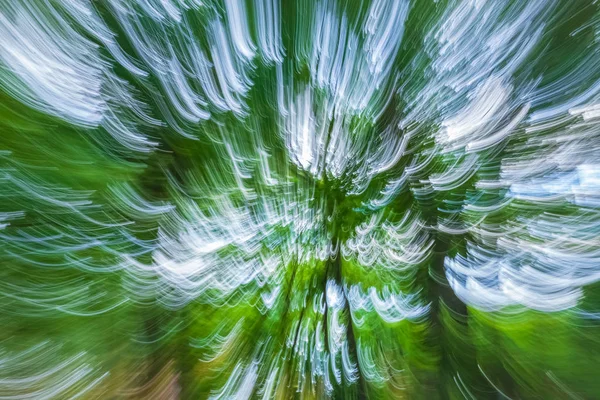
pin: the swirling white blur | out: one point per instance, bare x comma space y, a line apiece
352, 109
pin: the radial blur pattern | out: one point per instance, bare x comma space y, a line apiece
307, 199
